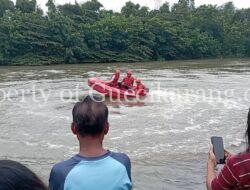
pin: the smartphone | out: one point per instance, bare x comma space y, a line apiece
218, 149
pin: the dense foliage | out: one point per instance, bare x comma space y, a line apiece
78, 33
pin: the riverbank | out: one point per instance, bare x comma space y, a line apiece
53, 62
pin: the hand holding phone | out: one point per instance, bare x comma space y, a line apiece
218, 149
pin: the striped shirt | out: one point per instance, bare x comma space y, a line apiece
235, 175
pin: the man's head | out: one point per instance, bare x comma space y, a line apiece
90, 118
118, 71
138, 81
129, 73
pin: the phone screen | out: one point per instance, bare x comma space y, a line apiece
218, 149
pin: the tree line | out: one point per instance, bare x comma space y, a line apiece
80, 33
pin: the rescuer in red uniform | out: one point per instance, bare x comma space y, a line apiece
115, 78
139, 86
128, 81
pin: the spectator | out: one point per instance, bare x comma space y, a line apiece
94, 168
236, 172
15, 176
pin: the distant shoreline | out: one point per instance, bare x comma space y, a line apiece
114, 63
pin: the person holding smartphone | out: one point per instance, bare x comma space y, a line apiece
235, 174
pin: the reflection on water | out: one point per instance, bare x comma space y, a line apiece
166, 134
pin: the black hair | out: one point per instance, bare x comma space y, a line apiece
90, 116
15, 176
248, 132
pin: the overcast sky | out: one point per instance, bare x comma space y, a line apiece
117, 4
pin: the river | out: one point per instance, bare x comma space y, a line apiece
167, 134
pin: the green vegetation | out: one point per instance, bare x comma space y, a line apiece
78, 33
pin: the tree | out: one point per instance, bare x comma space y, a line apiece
91, 11
5, 5
183, 6
229, 8
130, 9
162, 44
242, 15
208, 19
26, 6
79, 33
165, 8
247, 42
70, 9
92, 5
143, 12
51, 6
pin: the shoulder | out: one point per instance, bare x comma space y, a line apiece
66, 165
60, 171
239, 160
239, 164
124, 160
61, 165
121, 157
